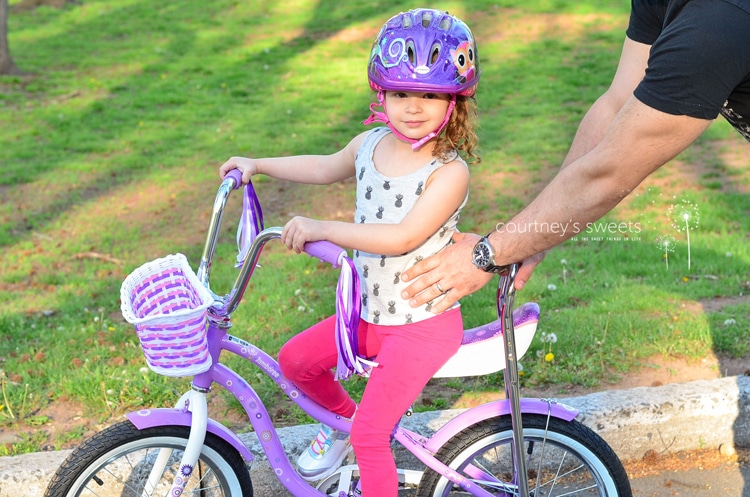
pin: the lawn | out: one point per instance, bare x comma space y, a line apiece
111, 142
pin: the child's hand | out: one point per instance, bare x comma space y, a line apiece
301, 230
245, 165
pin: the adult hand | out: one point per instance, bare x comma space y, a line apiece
449, 273
452, 274
527, 267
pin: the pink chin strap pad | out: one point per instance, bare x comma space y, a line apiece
381, 117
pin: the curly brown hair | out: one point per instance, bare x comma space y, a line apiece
459, 134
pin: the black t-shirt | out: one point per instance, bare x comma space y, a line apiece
699, 64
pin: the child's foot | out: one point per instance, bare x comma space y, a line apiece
324, 455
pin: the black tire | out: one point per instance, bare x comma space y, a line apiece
563, 458
117, 462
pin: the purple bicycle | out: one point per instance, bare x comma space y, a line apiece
514, 447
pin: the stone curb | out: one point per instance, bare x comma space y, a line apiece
669, 418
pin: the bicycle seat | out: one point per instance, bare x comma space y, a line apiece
482, 349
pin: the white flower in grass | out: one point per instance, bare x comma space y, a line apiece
730, 322
552, 287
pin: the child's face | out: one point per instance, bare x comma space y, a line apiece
416, 114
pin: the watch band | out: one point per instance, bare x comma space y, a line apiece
490, 267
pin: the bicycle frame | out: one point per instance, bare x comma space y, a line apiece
191, 409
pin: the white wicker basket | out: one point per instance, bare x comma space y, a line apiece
168, 306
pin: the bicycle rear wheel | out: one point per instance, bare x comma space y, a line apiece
118, 462
562, 458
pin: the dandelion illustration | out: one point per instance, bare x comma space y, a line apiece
684, 217
666, 243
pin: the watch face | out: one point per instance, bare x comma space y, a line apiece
482, 255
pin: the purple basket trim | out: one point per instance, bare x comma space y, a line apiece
156, 310
184, 357
179, 346
194, 356
168, 340
188, 299
168, 301
177, 363
176, 369
167, 304
181, 333
166, 273
191, 321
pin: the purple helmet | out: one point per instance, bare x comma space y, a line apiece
424, 50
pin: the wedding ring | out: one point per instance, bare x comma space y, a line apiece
440, 288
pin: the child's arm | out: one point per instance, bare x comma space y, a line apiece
312, 169
443, 194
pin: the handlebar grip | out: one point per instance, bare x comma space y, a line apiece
326, 251
236, 175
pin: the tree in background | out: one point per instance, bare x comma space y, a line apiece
7, 66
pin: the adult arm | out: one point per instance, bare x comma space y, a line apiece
638, 141
630, 70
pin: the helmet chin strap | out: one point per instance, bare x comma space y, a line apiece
381, 117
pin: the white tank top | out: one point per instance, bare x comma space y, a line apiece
386, 199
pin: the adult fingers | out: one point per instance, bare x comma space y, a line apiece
417, 270
526, 269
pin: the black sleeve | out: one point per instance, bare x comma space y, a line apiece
700, 59
646, 20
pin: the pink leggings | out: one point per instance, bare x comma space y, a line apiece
408, 356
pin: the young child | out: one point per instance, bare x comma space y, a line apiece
411, 186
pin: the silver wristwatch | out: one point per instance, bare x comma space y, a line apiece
483, 257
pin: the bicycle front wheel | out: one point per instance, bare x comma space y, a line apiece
562, 458
119, 461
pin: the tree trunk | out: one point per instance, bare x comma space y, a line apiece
6, 62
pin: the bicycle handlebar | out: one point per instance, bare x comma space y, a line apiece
236, 175
325, 251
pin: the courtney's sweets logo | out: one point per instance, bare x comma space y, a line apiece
682, 220
590, 231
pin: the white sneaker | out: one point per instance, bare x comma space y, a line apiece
324, 455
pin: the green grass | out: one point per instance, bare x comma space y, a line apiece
111, 144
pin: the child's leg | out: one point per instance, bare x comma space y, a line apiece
409, 356
308, 358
